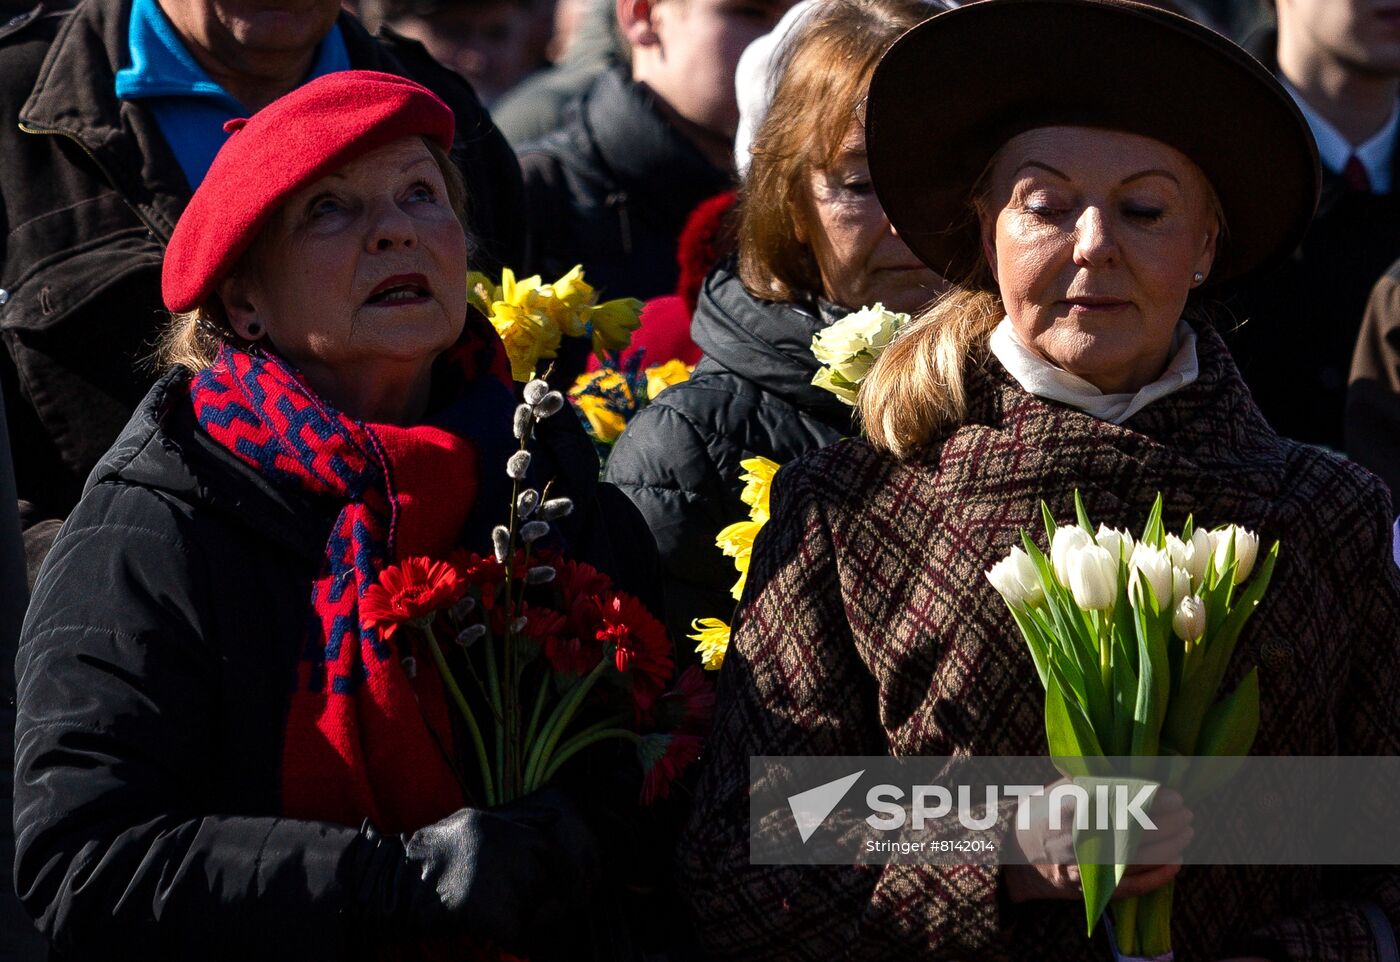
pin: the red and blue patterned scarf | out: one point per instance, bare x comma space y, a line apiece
368, 734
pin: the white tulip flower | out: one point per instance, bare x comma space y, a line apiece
1181, 584
1198, 554
1151, 566
1093, 577
1189, 618
1116, 541
1016, 579
1067, 538
1246, 550
1177, 549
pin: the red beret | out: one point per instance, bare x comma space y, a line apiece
293, 141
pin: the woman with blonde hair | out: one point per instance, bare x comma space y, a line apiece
1100, 174
813, 245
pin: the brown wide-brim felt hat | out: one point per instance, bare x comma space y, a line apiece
950, 92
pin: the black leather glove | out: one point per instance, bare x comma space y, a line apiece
487, 874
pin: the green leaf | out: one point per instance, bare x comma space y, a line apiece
1113, 846
1050, 524
1231, 724
1153, 533
1154, 684
1082, 515
1067, 728
1035, 641
1125, 686
1227, 732
1098, 880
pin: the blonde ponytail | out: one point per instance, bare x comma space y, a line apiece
915, 391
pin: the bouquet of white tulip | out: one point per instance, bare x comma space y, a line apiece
1131, 640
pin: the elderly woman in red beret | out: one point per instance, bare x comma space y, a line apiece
215, 759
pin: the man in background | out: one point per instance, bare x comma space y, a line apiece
486, 41
648, 142
1340, 59
110, 113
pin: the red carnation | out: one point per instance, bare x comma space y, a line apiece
690, 706
642, 649
411, 591
663, 758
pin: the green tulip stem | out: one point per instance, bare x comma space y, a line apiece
488, 785
1125, 925
1105, 632
1154, 921
589, 736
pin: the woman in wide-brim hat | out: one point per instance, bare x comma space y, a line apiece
220, 756
1102, 166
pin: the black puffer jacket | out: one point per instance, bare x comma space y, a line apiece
153, 695
751, 394
611, 189
89, 193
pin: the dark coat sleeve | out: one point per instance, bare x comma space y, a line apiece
123, 850
794, 683
18, 940
1335, 928
664, 464
1373, 397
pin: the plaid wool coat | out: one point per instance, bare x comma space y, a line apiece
868, 627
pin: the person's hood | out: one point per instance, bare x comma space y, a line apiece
766, 342
162, 448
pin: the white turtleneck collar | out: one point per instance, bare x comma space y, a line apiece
1043, 379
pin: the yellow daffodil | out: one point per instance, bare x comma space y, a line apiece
603, 379
527, 338
713, 636
758, 483
662, 376
613, 324
532, 316
606, 423
736, 541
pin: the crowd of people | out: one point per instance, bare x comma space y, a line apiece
1139, 250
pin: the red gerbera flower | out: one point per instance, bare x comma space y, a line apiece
663, 758
411, 591
485, 574
642, 649
577, 580
689, 706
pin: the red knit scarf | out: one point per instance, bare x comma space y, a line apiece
368, 729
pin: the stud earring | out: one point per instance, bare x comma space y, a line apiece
1198, 278
254, 329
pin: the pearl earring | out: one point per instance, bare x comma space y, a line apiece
1197, 277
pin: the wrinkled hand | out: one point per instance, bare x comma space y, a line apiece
1052, 872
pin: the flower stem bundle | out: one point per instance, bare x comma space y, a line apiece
551, 659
